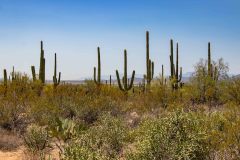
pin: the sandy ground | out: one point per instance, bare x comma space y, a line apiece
19, 154
13, 155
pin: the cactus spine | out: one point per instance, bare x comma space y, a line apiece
175, 77
5, 77
98, 80
42, 65
125, 87
212, 71
56, 81
149, 63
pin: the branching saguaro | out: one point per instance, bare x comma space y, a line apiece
149, 63
56, 81
175, 78
125, 86
98, 79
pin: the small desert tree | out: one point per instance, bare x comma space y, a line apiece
204, 85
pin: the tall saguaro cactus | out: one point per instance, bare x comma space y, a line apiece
5, 77
149, 63
175, 77
42, 65
56, 81
162, 76
212, 71
98, 80
125, 86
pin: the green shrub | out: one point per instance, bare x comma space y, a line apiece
36, 139
177, 135
104, 140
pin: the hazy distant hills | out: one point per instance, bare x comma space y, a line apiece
138, 78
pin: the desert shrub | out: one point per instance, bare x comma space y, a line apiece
104, 140
15, 99
232, 91
43, 111
224, 133
64, 130
177, 135
204, 88
36, 139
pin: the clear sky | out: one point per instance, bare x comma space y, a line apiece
74, 28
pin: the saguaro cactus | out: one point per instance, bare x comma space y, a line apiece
42, 65
56, 81
162, 76
13, 74
212, 71
33, 73
5, 77
110, 80
125, 87
98, 80
175, 77
149, 63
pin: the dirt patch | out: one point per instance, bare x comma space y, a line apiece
9, 141
12, 155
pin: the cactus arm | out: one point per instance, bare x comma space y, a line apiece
177, 63
180, 76
43, 72
13, 74
94, 74
132, 80
152, 70
119, 81
59, 78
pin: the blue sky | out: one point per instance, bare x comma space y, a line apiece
74, 28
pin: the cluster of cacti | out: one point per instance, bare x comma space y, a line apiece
149, 63
126, 86
212, 71
175, 78
56, 81
98, 80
